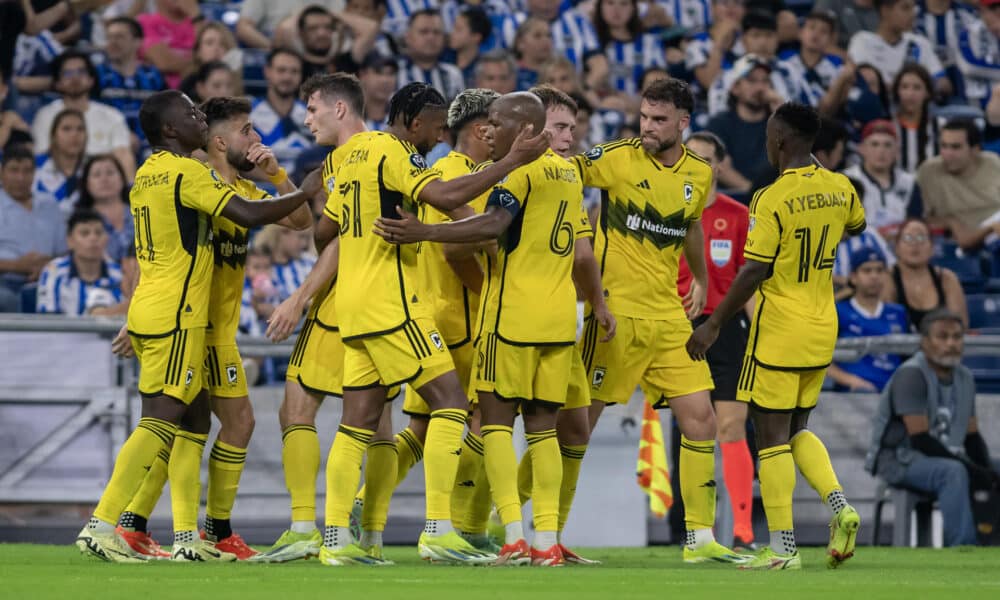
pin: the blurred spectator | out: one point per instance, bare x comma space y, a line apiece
290, 260
942, 22
864, 315
961, 187
979, 53
57, 172
743, 127
259, 19
497, 70
32, 230
378, 80
20, 16
279, 117
494, 9
84, 281
830, 144
912, 92
926, 436
630, 51
889, 190
852, 16
214, 42
400, 13
260, 296
103, 190
12, 126
471, 28
106, 127
869, 239
865, 99
708, 53
693, 16
123, 79
212, 80
917, 284
33, 58
357, 32
532, 49
421, 60
168, 37
813, 63
315, 27
894, 43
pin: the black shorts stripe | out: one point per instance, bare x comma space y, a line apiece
301, 343
413, 343
421, 340
171, 358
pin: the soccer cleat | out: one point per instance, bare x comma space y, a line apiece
514, 555
451, 548
234, 544
352, 555
376, 553
714, 552
553, 557
769, 560
483, 543
843, 533
741, 546
200, 551
109, 547
573, 558
355, 521
292, 546
142, 543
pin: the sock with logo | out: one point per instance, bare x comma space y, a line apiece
134, 461
442, 450
501, 469
470, 465
524, 478
409, 451
777, 484
813, 461
697, 465
225, 466
572, 460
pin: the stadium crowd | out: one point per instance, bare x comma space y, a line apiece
909, 93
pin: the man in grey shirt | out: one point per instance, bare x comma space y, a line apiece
32, 231
852, 16
926, 435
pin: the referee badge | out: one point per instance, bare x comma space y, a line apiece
721, 251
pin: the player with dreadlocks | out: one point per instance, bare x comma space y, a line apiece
386, 321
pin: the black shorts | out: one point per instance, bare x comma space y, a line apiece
725, 357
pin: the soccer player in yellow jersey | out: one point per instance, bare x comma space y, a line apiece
654, 191
527, 321
795, 226
172, 200
386, 319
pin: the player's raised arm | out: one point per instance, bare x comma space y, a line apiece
252, 214
486, 226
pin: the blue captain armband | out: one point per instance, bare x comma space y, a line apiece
503, 198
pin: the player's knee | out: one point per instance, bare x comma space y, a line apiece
297, 408
418, 426
731, 430
573, 427
539, 416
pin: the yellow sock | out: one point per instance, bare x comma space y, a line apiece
477, 516
225, 466
572, 460
409, 451
380, 479
813, 461
300, 459
524, 478
343, 468
442, 449
138, 452
145, 499
501, 469
777, 483
697, 463
184, 472
470, 466
546, 477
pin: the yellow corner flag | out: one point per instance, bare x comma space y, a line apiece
651, 471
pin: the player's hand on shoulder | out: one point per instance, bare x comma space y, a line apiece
404, 230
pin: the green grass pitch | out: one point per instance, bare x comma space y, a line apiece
36, 571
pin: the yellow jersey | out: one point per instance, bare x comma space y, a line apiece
795, 226
530, 298
455, 306
172, 201
378, 285
229, 242
324, 305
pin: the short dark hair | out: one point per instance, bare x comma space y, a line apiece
411, 99
479, 21
312, 9
719, 147
152, 114
82, 215
63, 115
424, 12
831, 132
218, 110
801, 119
336, 86
60, 61
880, 4
582, 104
283, 50
134, 27
972, 133
758, 19
824, 16
673, 91
937, 315
86, 200
205, 71
552, 97
16, 151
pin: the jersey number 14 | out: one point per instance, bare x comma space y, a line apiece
818, 260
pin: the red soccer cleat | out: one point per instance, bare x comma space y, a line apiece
141, 542
553, 557
234, 544
514, 555
575, 559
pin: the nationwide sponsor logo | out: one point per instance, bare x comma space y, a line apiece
230, 248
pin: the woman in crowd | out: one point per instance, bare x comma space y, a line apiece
211, 80
104, 190
630, 51
917, 284
58, 174
912, 91
215, 43
532, 48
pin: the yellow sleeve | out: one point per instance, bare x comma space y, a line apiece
601, 166
332, 207
583, 228
405, 170
202, 189
763, 236
856, 217
702, 188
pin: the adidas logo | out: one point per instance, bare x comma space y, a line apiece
467, 483
457, 452
644, 184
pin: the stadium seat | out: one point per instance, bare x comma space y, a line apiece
985, 371
905, 503
968, 267
254, 83
29, 298
984, 310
